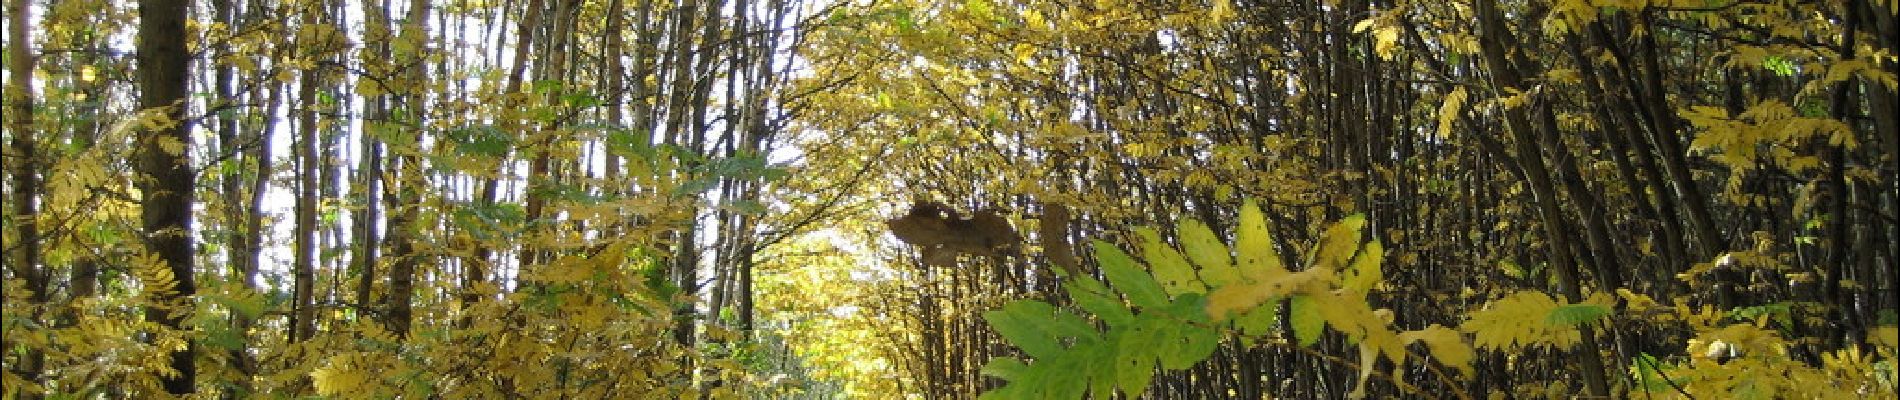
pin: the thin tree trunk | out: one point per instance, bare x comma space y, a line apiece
302, 319
616, 95
510, 124
409, 175
1840, 226
377, 121
1504, 75
84, 277
23, 253
1667, 142
543, 139
240, 254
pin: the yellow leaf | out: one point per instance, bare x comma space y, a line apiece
1236, 297
369, 88
1368, 357
332, 380
1445, 344
1518, 320
1244, 296
1253, 243
1885, 336
171, 145
1385, 42
1222, 11
1352, 317
1450, 110
1208, 252
1339, 243
1170, 268
1637, 302
1365, 274
1023, 51
1362, 25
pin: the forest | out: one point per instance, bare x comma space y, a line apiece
950, 199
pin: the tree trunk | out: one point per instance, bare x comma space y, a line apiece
23, 253
309, 166
409, 175
164, 163
1505, 75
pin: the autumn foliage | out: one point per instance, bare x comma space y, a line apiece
950, 199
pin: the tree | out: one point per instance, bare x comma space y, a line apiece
166, 181
895, 198
23, 251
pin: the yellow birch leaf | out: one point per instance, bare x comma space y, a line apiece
1385, 42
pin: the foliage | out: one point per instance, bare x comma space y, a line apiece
1172, 326
883, 199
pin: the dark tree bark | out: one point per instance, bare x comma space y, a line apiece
1543, 190
409, 176
166, 182
22, 159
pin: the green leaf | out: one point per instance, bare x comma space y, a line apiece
1100, 303
480, 140
1189, 307
1253, 244
1169, 266
1010, 391
1307, 322
631, 144
1780, 311
1025, 323
1009, 369
1189, 345
747, 207
1259, 321
1570, 315
491, 221
1651, 374
1135, 360
1063, 324
1140, 288
1066, 379
1208, 252
1099, 360
241, 300
580, 99
223, 337
1780, 66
